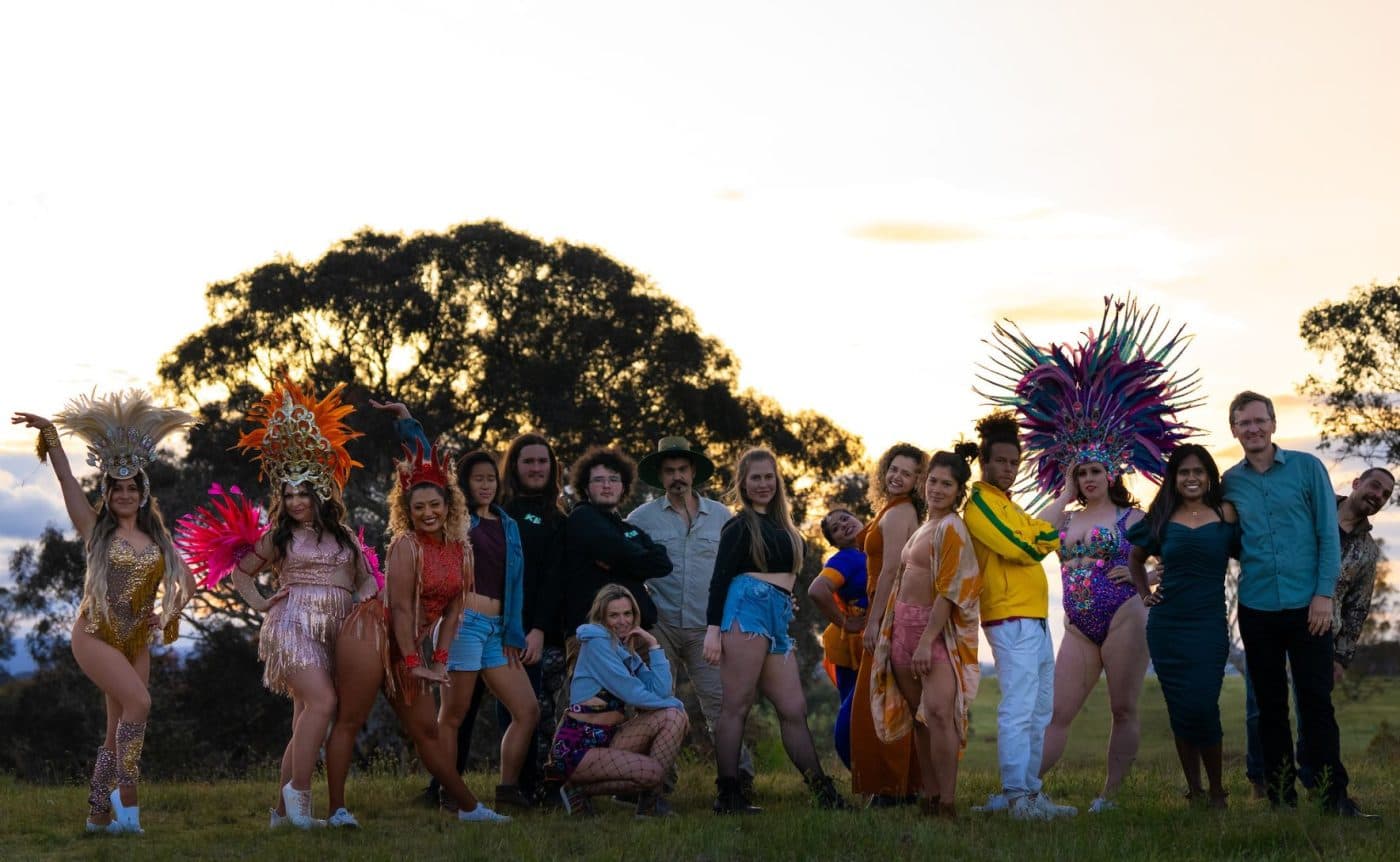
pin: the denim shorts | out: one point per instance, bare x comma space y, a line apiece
480, 643
760, 609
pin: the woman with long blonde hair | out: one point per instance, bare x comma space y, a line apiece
130, 557
750, 610
597, 750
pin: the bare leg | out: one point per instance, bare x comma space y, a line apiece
422, 727
1077, 669
939, 701
314, 689
740, 667
782, 686
284, 774
359, 673
123, 682
912, 688
1125, 664
512, 688
1190, 758
1210, 755
456, 702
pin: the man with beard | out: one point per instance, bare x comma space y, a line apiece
688, 524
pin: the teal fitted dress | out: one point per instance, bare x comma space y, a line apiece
1187, 632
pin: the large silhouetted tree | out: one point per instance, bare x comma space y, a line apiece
484, 332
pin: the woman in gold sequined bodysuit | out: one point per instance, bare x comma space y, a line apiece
129, 559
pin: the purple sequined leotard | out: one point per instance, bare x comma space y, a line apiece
1091, 598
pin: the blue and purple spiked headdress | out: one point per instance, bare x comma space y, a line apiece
1113, 399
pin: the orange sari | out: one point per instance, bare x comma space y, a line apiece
878, 768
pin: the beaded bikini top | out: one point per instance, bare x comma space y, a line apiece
1100, 543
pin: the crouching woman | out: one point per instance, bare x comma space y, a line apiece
597, 750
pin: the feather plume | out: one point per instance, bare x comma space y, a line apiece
214, 538
1113, 398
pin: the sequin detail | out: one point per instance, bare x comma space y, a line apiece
131, 739
1091, 598
100, 786
300, 631
132, 581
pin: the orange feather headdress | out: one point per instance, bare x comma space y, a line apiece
300, 439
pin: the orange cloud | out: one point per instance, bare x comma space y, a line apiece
915, 232
1053, 311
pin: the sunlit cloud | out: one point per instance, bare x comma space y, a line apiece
26, 507
915, 232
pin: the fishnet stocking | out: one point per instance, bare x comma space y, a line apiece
644, 747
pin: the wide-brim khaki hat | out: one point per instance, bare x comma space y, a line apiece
672, 447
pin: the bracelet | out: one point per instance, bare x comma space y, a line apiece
439, 656
412, 660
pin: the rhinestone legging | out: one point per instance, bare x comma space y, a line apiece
104, 780
131, 738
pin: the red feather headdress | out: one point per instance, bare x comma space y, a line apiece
417, 468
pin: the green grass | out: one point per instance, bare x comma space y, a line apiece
227, 820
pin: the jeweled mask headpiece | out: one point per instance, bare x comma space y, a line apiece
300, 440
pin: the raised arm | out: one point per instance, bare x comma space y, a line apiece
80, 511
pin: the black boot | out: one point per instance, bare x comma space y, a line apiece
729, 799
825, 792
746, 787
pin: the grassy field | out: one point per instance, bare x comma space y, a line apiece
228, 820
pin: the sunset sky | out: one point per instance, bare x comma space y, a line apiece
847, 195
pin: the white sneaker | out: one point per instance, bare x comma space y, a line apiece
275, 820
1025, 808
298, 805
111, 826
1101, 805
344, 818
482, 814
996, 803
125, 818
1046, 804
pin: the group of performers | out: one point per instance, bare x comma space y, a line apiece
573, 620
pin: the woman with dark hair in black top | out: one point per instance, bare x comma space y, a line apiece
750, 609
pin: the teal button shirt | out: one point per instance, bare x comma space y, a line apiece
1290, 550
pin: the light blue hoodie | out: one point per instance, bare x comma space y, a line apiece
606, 665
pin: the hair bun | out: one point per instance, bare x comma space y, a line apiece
965, 449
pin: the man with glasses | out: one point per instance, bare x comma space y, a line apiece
1290, 560
599, 547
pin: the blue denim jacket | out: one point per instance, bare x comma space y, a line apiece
410, 431
513, 604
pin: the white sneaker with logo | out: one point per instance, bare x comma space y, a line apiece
1046, 804
1025, 808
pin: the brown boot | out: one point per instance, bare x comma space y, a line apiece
928, 806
